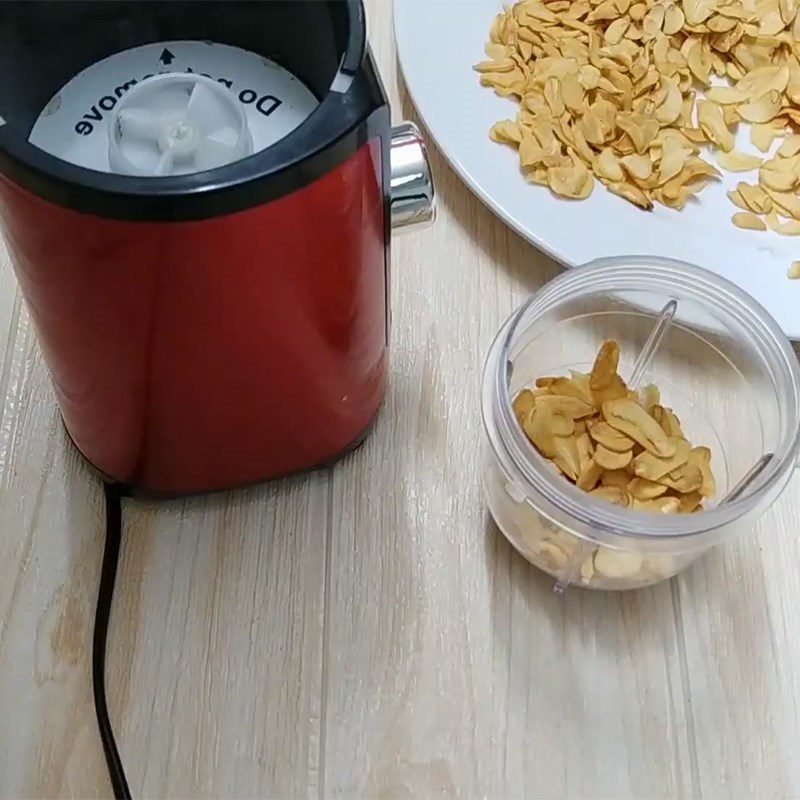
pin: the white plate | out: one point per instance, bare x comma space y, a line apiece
438, 41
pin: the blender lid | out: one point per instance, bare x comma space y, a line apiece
297, 72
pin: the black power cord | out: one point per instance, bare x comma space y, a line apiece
105, 595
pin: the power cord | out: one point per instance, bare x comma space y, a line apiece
105, 595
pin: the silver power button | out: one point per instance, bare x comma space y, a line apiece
413, 202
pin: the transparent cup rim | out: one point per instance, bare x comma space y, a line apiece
638, 273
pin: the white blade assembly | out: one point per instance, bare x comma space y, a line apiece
177, 123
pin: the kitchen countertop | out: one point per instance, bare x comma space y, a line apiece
365, 631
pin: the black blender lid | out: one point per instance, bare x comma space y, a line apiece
45, 44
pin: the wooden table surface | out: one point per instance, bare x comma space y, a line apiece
366, 631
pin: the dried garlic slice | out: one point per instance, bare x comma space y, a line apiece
735, 161
748, 221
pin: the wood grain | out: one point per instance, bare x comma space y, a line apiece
366, 631
217, 657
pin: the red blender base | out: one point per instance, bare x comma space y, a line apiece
194, 356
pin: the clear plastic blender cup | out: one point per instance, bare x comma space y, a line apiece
719, 360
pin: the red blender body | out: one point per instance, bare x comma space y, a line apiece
215, 329
194, 355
